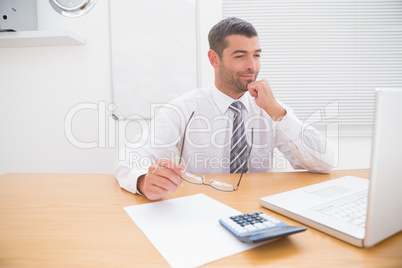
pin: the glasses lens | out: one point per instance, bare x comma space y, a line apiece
192, 178
222, 186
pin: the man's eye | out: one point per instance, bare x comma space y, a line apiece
257, 55
239, 56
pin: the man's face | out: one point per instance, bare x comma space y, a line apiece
239, 64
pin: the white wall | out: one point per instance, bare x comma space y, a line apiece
40, 85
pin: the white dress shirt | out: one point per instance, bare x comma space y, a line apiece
207, 140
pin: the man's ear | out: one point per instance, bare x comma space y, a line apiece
213, 58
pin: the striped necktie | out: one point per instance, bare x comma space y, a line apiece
238, 149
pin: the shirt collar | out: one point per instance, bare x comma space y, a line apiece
223, 101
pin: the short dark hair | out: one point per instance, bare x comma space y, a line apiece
226, 27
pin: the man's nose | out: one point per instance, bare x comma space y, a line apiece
251, 64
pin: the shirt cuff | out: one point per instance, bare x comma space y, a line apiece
128, 180
290, 126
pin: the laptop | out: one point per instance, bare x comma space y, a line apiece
359, 211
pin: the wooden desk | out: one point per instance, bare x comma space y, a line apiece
63, 220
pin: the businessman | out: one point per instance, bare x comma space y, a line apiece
231, 127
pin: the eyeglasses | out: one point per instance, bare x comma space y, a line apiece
221, 186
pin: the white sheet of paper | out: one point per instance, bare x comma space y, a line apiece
186, 230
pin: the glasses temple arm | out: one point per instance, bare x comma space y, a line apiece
184, 137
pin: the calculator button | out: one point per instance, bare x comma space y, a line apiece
268, 224
232, 224
226, 220
250, 227
259, 226
241, 231
238, 228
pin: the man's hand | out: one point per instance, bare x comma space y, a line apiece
264, 98
162, 177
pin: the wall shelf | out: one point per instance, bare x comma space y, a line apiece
40, 39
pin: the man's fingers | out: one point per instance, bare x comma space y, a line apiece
169, 170
160, 184
254, 88
162, 177
179, 169
150, 189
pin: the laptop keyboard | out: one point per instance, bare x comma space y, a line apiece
352, 209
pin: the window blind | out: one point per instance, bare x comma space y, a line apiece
317, 52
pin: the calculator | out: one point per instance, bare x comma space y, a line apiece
257, 227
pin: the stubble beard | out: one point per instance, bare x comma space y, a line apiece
233, 81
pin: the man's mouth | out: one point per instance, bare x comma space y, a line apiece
248, 76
